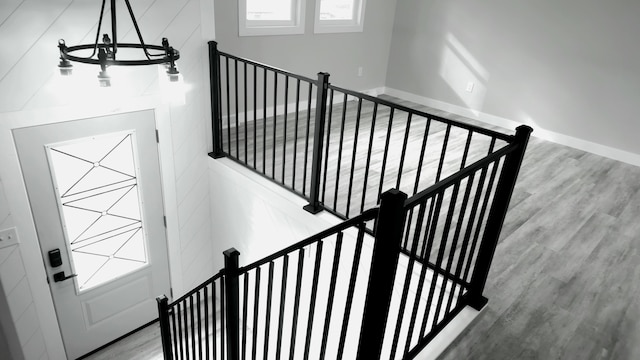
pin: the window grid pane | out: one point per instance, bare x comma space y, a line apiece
337, 9
274, 10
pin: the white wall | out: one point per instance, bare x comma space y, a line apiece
30, 94
254, 215
567, 67
307, 54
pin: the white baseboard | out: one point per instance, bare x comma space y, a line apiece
562, 139
374, 91
449, 336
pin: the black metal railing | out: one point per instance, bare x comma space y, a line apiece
451, 231
264, 119
193, 326
297, 294
310, 289
342, 293
337, 148
429, 256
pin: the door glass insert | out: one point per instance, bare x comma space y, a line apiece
97, 191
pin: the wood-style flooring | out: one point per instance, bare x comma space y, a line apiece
564, 283
142, 345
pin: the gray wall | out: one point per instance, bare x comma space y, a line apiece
569, 66
311, 53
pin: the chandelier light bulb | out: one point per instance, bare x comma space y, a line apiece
65, 65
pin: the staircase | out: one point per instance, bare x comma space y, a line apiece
380, 285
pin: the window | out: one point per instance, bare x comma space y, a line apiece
339, 16
270, 17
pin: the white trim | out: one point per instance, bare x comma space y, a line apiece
541, 133
170, 197
276, 27
340, 26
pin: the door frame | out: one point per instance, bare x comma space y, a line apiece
18, 202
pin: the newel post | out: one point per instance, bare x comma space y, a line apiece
165, 334
495, 219
386, 250
232, 299
214, 83
318, 140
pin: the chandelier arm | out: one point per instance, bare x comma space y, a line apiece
68, 52
95, 43
135, 24
106, 50
114, 28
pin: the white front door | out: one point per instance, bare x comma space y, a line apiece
95, 194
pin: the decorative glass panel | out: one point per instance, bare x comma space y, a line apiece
97, 189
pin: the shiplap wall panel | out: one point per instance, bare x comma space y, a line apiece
27, 324
16, 301
196, 223
154, 22
21, 31
191, 252
11, 271
197, 262
182, 25
5, 212
35, 348
190, 202
37, 74
191, 51
191, 129
188, 150
22, 70
188, 179
20, 302
126, 30
7, 7
200, 267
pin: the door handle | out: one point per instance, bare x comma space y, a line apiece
57, 277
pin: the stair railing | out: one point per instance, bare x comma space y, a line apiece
445, 221
446, 233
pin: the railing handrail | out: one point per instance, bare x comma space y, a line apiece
450, 180
210, 280
365, 216
272, 68
474, 128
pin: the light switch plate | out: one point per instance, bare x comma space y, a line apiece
8, 237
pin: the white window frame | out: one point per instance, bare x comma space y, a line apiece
341, 26
271, 27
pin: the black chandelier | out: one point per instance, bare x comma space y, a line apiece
104, 54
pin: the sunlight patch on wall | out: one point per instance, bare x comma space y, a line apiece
464, 74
